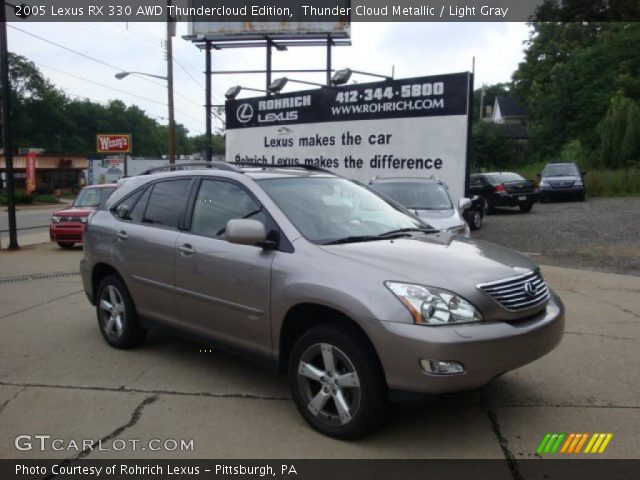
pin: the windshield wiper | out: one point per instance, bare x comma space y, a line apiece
365, 238
408, 230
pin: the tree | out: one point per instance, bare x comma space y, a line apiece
491, 147
619, 132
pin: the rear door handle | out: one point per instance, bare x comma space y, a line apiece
186, 249
122, 235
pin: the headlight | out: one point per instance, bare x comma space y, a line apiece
459, 229
56, 219
578, 183
84, 219
541, 184
434, 306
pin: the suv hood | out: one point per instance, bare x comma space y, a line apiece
441, 260
440, 219
75, 212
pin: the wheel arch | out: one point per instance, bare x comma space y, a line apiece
99, 271
302, 317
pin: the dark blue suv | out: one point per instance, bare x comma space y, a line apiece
561, 180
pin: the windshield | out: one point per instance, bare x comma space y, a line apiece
328, 209
416, 195
498, 178
93, 197
560, 171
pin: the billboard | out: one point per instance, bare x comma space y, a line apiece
288, 20
414, 127
113, 143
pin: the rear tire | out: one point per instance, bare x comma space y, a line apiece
526, 207
117, 316
337, 382
66, 245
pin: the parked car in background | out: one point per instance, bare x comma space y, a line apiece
356, 299
561, 180
67, 226
504, 189
429, 199
474, 215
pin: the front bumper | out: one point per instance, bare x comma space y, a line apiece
551, 192
485, 349
66, 232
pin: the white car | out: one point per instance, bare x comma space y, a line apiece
429, 199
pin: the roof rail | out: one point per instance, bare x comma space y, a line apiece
303, 166
185, 166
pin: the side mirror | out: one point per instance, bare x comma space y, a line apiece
122, 211
245, 232
538, 175
584, 173
464, 204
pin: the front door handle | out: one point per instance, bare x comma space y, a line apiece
186, 249
122, 235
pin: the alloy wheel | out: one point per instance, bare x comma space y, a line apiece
112, 311
329, 384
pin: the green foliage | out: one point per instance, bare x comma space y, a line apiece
619, 132
19, 197
491, 148
44, 198
44, 117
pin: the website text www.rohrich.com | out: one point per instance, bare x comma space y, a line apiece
390, 106
44, 443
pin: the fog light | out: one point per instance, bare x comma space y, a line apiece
441, 367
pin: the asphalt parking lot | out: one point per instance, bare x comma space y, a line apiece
599, 234
58, 377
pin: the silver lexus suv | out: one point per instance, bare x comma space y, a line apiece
358, 300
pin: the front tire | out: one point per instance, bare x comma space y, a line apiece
476, 220
337, 383
117, 316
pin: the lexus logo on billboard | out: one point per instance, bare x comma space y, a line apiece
244, 113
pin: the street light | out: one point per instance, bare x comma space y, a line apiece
342, 76
279, 83
172, 128
233, 92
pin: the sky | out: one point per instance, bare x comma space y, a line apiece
407, 49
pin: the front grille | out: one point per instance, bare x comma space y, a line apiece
518, 293
562, 184
71, 219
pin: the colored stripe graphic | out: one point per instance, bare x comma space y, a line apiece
573, 443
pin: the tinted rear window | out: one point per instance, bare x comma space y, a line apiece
560, 170
498, 178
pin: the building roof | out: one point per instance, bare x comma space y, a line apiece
509, 107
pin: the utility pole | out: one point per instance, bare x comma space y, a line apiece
6, 128
172, 123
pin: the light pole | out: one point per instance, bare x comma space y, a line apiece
172, 124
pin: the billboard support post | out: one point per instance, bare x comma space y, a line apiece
329, 44
269, 44
208, 136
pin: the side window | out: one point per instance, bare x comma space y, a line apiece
166, 202
477, 181
139, 206
218, 202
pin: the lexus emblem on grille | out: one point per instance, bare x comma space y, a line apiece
244, 113
530, 289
